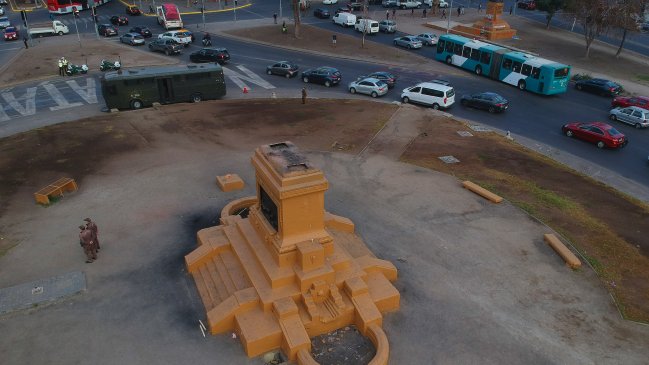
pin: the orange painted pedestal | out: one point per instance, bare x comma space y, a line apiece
286, 272
492, 27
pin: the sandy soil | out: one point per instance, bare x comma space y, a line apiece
40, 61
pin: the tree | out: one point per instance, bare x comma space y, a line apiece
295, 4
627, 13
550, 7
594, 18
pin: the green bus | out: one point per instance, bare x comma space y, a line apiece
135, 88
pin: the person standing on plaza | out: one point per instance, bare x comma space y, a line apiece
443, 13
275, 17
424, 12
479, 8
459, 10
65, 65
394, 14
387, 14
85, 239
60, 63
95, 231
303, 95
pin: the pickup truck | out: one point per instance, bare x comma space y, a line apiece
48, 28
410, 4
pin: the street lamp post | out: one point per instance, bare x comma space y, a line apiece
203, 12
280, 9
448, 17
235, 9
77, 27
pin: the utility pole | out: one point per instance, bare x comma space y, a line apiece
280, 9
203, 12
235, 9
76, 26
448, 17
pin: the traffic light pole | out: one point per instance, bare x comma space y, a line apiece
23, 15
96, 19
77, 27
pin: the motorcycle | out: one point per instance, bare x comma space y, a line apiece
76, 69
207, 42
109, 66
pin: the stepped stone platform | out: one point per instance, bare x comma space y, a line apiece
289, 270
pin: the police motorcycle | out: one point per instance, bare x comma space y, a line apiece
107, 65
76, 69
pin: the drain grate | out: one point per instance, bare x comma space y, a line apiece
465, 134
479, 128
449, 159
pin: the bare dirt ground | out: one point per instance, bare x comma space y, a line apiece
40, 61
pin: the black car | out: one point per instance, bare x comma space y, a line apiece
390, 3
321, 13
166, 45
107, 30
219, 55
527, 4
386, 77
342, 10
143, 31
492, 102
118, 20
599, 86
355, 6
282, 68
324, 75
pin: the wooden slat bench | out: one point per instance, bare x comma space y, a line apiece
55, 189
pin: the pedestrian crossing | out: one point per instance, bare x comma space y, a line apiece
84, 21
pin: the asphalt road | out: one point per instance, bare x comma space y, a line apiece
535, 117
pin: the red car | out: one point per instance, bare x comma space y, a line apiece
639, 101
11, 33
602, 134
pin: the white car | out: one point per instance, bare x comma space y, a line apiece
410, 4
178, 36
443, 4
329, 2
2, 10
426, 93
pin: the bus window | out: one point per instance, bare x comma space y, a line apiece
440, 46
507, 64
535, 72
466, 52
485, 57
457, 49
449, 47
517, 67
112, 90
561, 72
475, 55
527, 70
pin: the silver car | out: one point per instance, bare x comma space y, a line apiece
428, 39
633, 115
370, 86
133, 39
4, 22
387, 26
409, 41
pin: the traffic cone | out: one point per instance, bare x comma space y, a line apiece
245, 89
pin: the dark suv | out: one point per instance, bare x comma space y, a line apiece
107, 30
324, 75
219, 55
166, 45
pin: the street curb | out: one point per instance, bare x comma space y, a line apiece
193, 12
302, 50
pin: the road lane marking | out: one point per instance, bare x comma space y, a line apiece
30, 102
88, 92
59, 99
252, 77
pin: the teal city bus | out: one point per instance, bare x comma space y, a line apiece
523, 70
135, 88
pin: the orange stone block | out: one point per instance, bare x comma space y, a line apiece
229, 182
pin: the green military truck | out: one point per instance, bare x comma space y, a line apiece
134, 88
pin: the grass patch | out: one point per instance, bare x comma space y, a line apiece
643, 77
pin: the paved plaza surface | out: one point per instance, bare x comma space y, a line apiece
478, 283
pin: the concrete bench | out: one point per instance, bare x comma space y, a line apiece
55, 189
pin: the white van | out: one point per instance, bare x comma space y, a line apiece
367, 25
431, 94
345, 19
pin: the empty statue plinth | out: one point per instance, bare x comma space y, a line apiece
290, 270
